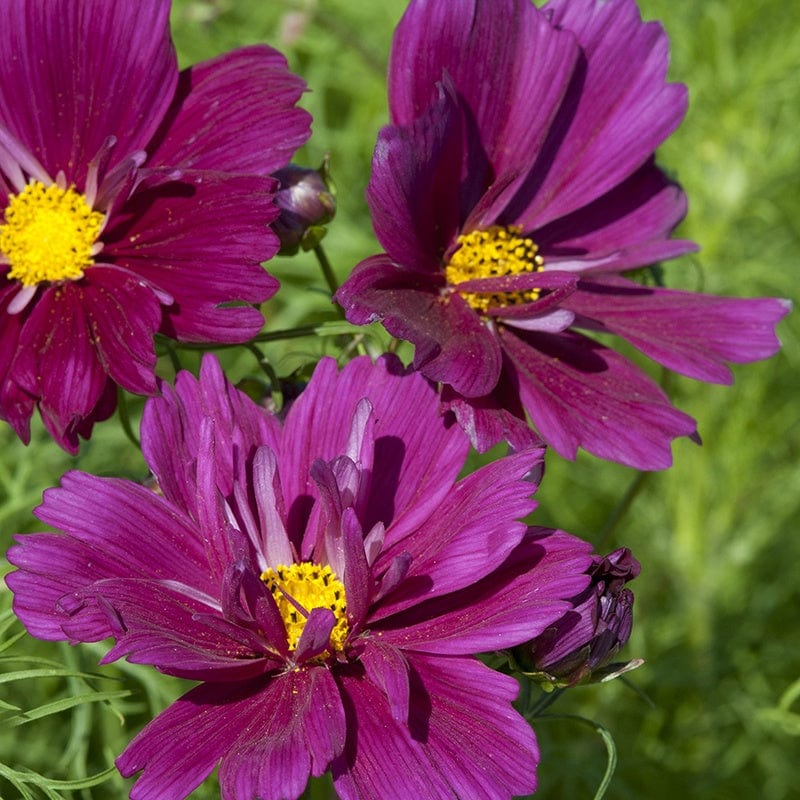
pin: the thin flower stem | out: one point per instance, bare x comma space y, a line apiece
327, 271
621, 508
545, 702
331, 328
173, 356
288, 333
608, 741
263, 364
124, 417
272, 376
357, 344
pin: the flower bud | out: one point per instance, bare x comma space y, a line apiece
579, 646
306, 198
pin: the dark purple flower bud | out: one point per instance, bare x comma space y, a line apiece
307, 201
580, 646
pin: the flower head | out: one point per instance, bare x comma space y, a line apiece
327, 580
134, 199
514, 186
580, 646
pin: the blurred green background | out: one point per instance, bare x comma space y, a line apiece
715, 711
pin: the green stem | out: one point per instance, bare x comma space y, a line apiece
288, 333
621, 508
124, 417
332, 328
272, 376
544, 702
173, 356
608, 741
327, 271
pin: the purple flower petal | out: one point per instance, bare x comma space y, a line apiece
628, 227
510, 40
123, 316
465, 739
554, 321
478, 741
416, 459
622, 108
164, 624
471, 534
357, 577
489, 419
16, 406
220, 546
413, 193
275, 546
235, 113
387, 668
297, 727
110, 70
511, 605
316, 634
382, 762
93, 510
247, 602
581, 394
38, 587
181, 746
452, 345
62, 371
170, 233
688, 332
17, 162
171, 431
562, 283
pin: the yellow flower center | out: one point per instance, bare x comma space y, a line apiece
49, 234
310, 586
494, 253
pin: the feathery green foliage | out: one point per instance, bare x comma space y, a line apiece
715, 711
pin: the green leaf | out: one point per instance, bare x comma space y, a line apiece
785, 721
63, 704
47, 672
789, 696
82, 783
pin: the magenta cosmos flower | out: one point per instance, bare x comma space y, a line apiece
514, 186
328, 581
135, 200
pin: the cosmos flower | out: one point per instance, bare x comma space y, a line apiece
580, 646
134, 199
514, 186
327, 580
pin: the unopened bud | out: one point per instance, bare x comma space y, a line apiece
306, 198
580, 646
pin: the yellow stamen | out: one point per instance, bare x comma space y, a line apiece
49, 234
311, 586
494, 253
